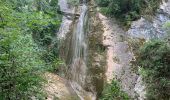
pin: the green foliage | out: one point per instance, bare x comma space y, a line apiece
44, 24
155, 67
43, 27
74, 2
104, 10
128, 10
113, 92
166, 27
103, 3
26, 31
154, 61
20, 66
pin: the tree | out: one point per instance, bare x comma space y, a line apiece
21, 63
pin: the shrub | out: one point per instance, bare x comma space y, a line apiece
113, 92
128, 10
21, 63
154, 60
20, 67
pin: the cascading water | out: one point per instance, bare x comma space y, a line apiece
79, 49
75, 49
78, 70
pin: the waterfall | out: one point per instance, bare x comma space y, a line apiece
79, 36
78, 66
78, 70
76, 44
79, 46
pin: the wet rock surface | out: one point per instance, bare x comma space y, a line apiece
96, 55
86, 77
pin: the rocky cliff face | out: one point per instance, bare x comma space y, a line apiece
145, 29
153, 28
110, 50
96, 51
119, 56
121, 45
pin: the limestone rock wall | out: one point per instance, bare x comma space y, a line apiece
153, 28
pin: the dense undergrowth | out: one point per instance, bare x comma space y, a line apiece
27, 46
154, 61
113, 91
128, 10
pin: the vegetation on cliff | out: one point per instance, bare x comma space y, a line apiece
154, 62
128, 10
113, 91
26, 46
153, 57
29, 47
